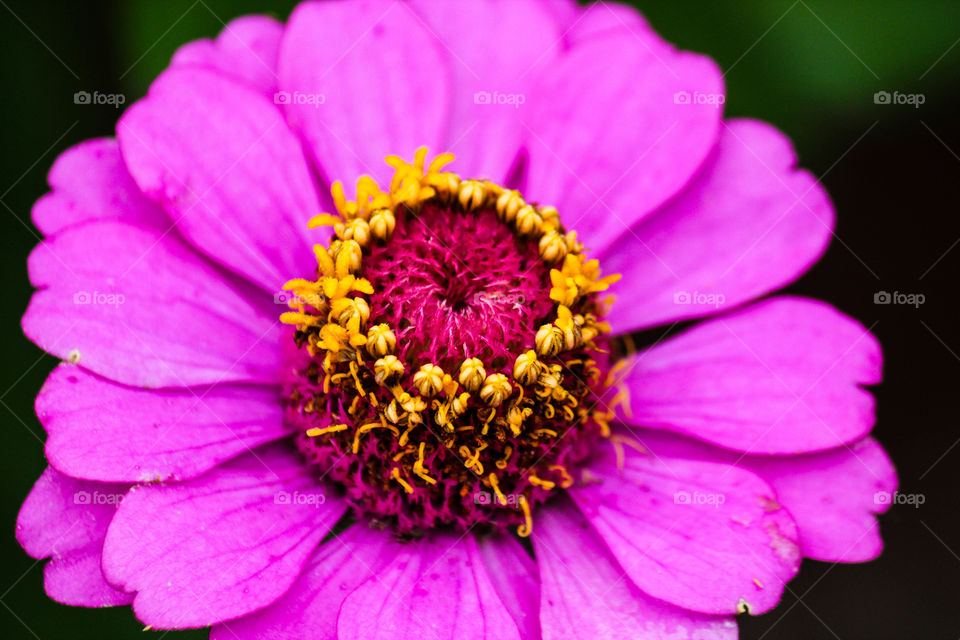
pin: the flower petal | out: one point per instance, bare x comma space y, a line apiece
220, 159
600, 18
102, 431
245, 50
219, 546
584, 589
310, 608
750, 223
514, 576
608, 148
89, 181
66, 520
354, 102
782, 376
833, 496
100, 288
495, 48
437, 587
704, 536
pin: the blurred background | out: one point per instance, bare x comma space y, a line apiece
810, 67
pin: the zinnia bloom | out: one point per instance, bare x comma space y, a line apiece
444, 429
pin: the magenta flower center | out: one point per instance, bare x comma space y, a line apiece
451, 367
462, 285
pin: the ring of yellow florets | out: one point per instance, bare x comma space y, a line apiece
464, 429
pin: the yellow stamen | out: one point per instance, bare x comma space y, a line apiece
502, 463
292, 317
323, 220
324, 261
395, 474
339, 200
567, 481
495, 485
526, 528
319, 432
440, 162
537, 482
418, 466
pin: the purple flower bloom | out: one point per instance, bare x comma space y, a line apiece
448, 375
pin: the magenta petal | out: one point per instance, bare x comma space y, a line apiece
608, 148
599, 19
100, 288
309, 610
362, 80
220, 159
782, 376
495, 49
701, 535
75, 579
100, 430
833, 495
66, 520
514, 576
750, 223
584, 589
246, 50
436, 588
219, 546
89, 181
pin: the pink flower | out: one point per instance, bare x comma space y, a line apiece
449, 376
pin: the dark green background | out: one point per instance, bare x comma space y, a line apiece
810, 67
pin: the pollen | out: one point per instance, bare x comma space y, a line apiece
450, 363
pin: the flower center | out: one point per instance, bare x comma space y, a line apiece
461, 284
451, 367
